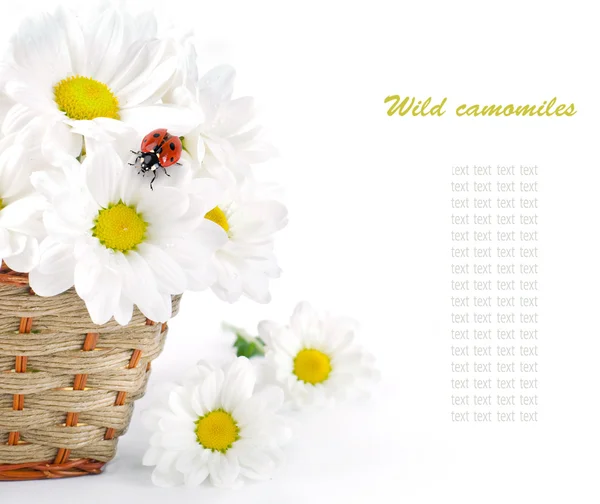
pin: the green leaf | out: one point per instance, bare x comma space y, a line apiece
246, 345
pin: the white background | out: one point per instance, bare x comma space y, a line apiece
368, 197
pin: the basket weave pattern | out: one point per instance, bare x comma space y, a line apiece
67, 386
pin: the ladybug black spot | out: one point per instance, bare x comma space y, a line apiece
172, 159
156, 135
172, 145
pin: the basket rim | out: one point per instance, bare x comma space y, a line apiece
10, 277
49, 470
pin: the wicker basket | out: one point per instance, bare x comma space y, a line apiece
67, 386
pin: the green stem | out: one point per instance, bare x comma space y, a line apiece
82, 153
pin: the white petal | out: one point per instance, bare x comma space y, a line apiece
25, 260
215, 87
145, 26
211, 235
185, 460
305, 321
184, 97
255, 463
229, 281
211, 389
151, 79
12, 181
259, 219
176, 423
239, 383
136, 61
55, 274
73, 37
151, 418
50, 284
196, 402
207, 191
194, 144
256, 285
196, 258
39, 48
30, 97
106, 46
197, 374
233, 116
102, 169
286, 341
272, 398
24, 215
47, 183
196, 476
165, 474
17, 118
268, 331
118, 131
123, 310
91, 128
152, 456
141, 288
58, 224
179, 402
11, 243
166, 206
169, 275
177, 120
60, 143
103, 299
340, 333
178, 440
224, 470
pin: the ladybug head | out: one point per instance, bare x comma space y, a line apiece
146, 161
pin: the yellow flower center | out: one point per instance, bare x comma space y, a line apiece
1, 204
218, 217
85, 98
312, 366
217, 431
120, 227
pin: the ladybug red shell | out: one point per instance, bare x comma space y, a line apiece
159, 149
167, 146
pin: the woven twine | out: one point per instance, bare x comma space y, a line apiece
67, 386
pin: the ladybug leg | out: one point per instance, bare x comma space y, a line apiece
154, 170
165, 170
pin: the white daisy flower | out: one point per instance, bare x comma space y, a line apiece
224, 142
216, 426
88, 76
246, 262
121, 243
315, 358
20, 207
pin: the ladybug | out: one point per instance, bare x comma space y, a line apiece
159, 149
